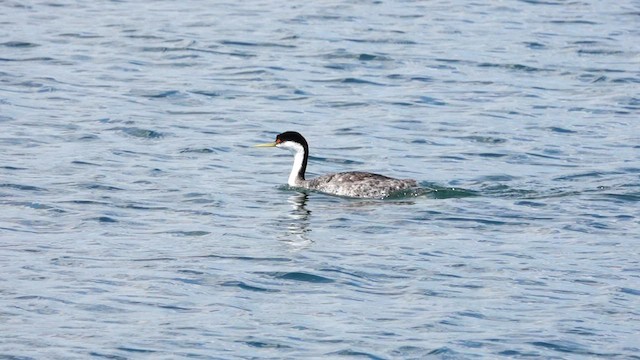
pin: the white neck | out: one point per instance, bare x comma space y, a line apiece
297, 164
298, 159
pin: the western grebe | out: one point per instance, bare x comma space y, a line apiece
352, 184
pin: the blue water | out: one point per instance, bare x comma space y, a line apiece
137, 221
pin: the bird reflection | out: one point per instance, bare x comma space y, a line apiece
298, 219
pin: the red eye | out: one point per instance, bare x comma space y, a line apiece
278, 141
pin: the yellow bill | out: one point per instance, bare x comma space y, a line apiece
271, 144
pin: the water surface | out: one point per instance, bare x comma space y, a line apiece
137, 221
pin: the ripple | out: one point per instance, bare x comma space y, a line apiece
265, 344
566, 347
199, 150
371, 57
162, 94
630, 291
573, 22
256, 44
245, 286
248, 258
140, 133
560, 130
12, 168
31, 59
431, 101
485, 139
599, 52
101, 187
191, 233
301, 276
629, 197
355, 353
136, 350
104, 219
515, 67
19, 44
22, 187
107, 356
535, 45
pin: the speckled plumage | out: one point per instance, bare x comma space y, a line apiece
356, 184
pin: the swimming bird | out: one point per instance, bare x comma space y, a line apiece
356, 184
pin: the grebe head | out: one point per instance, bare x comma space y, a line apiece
295, 142
290, 140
